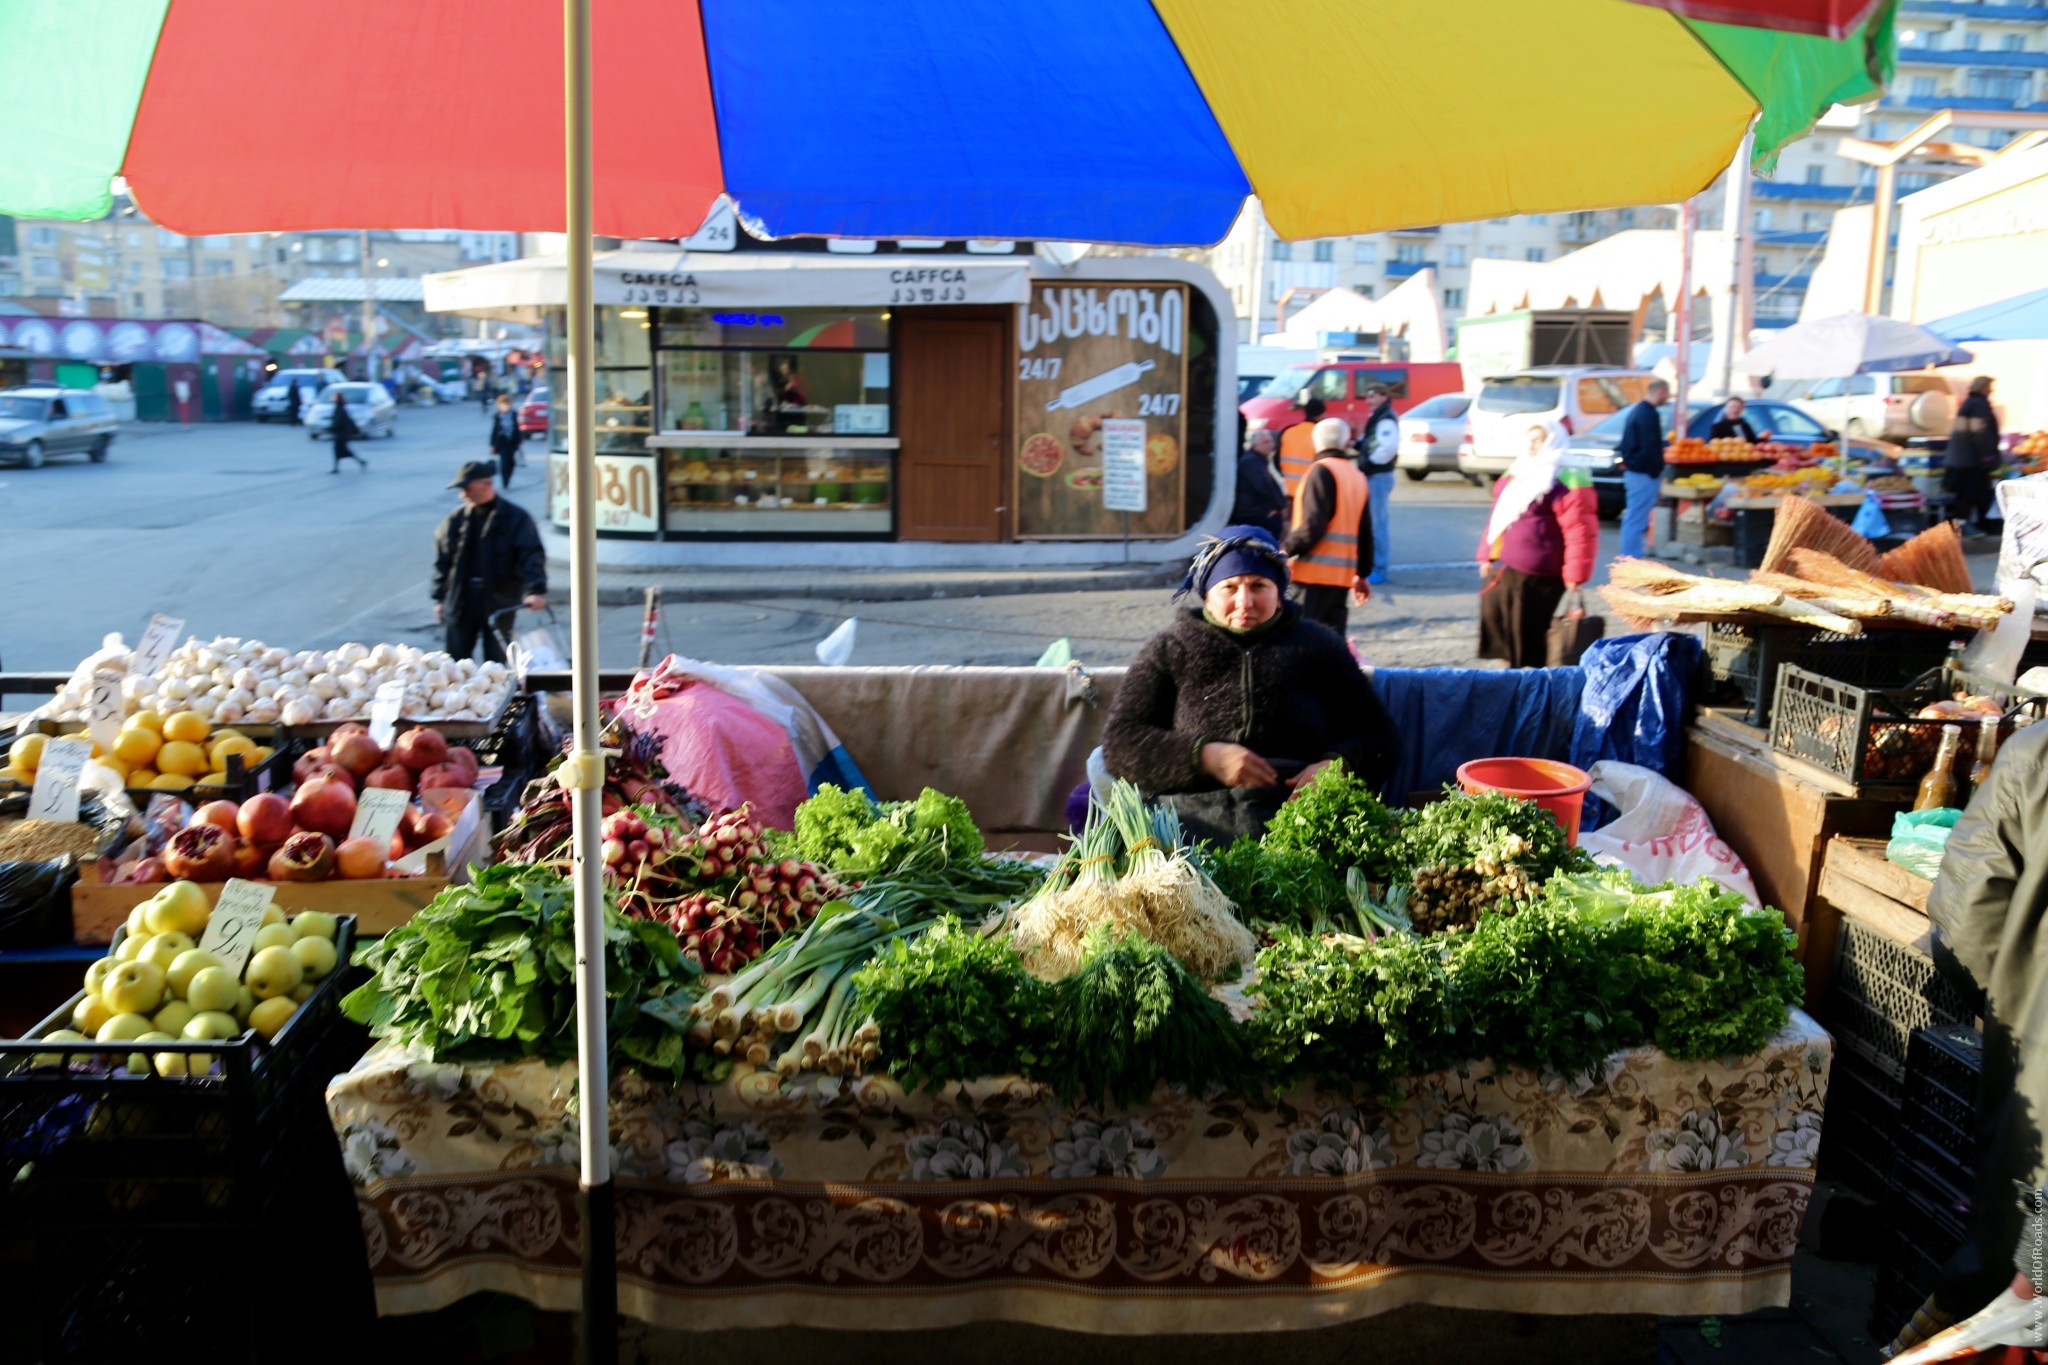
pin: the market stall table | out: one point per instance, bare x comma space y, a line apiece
1653, 1187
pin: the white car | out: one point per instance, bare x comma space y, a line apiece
1509, 404
268, 404
1887, 407
1432, 432
370, 405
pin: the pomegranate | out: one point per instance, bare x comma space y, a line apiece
305, 857
311, 762
325, 805
446, 775
395, 776
465, 759
223, 814
347, 727
144, 872
429, 825
252, 860
358, 858
420, 748
200, 853
356, 752
266, 819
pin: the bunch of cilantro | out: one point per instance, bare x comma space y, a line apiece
1338, 819
852, 834
487, 972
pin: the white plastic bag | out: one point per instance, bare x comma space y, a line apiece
1661, 833
835, 649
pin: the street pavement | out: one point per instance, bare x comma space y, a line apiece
240, 529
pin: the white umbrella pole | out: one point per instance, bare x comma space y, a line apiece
584, 769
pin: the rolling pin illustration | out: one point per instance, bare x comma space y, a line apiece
1109, 381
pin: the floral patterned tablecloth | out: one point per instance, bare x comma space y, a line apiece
1654, 1186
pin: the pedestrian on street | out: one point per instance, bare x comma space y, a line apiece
1261, 497
1972, 454
1332, 534
291, 405
1298, 445
344, 429
1541, 541
1377, 447
1641, 451
488, 563
505, 438
485, 390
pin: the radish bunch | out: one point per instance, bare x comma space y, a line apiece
630, 842
719, 937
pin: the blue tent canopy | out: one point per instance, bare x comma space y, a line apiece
2023, 317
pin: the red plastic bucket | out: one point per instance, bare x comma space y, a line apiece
1557, 787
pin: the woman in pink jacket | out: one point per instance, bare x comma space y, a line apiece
1541, 540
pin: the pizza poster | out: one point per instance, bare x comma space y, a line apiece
1087, 354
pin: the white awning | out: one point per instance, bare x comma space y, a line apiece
518, 290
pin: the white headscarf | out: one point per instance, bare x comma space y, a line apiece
1533, 474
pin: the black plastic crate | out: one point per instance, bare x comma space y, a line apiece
1941, 1176
1951, 1055
1884, 990
1742, 661
83, 1145
1948, 1121
1859, 1148
1869, 735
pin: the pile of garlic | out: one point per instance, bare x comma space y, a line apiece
231, 680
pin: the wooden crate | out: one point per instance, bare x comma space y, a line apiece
1857, 879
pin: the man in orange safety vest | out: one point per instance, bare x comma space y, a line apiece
1331, 535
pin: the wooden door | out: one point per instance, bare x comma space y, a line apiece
950, 393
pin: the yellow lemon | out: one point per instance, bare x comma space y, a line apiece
181, 757
262, 753
170, 782
138, 778
137, 746
212, 779
146, 720
226, 742
21, 775
188, 726
28, 751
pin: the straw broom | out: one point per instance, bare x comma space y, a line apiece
1933, 609
1801, 523
1841, 601
1933, 559
1716, 598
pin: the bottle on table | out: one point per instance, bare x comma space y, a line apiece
1938, 788
1987, 753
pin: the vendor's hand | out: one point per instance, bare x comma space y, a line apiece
1236, 766
1306, 775
1361, 591
536, 602
437, 613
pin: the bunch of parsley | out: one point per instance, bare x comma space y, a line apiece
850, 833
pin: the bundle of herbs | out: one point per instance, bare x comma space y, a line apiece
486, 973
856, 836
1467, 854
1338, 819
1130, 869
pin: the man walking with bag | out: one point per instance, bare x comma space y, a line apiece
1377, 447
505, 438
488, 563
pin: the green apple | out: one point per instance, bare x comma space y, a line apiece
182, 907
131, 947
316, 924
138, 919
122, 1028
272, 936
134, 988
272, 972
211, 1025
273, 913
245, 1000
97, 973
88, 1014
212, 990
173, 1017
57, 1035
315, 955
270, 1015
187, 965
304, 991
173, 1063
163, 950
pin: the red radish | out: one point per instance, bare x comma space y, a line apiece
420, 748
445, 775
311, 762
326, 805
304, 857
358, 859
356, 752
395, 776
221, 814
200, 853
265, 818
252, 860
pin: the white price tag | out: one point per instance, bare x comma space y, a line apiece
103, 708
1123, 464
55, 796
159, 638
237, 915
384, 712
378, 811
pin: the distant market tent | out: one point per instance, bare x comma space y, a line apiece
2023, 317
1851, 343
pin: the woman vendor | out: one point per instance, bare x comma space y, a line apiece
1240, 701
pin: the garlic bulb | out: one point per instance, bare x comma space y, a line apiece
299, 711
340, 708
325, 686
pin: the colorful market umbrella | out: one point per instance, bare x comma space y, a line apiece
1850, 343
1828, 18
1088, 120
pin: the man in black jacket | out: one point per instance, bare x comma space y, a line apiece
505, 438
487, 563
1973, 452
1731, 422
1261, 497
1641, 452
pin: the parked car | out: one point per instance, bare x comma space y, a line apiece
1890, 407
1343, 386
1432, 433
533, 413
39, 421
269, 403
1786, 424
371, 405
1578, 396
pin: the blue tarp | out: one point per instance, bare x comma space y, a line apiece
1638, 690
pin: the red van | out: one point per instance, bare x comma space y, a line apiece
1343, 384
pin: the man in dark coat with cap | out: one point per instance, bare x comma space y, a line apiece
488, 562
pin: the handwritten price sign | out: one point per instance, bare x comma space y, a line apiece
159, 638
231, 931
55, 796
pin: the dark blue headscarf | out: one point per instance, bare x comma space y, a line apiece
1238, 550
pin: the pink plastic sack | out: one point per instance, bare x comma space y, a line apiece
725, 753
1661, 834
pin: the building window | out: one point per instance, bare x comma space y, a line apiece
1810, 222
1454, 255
1282, 251
1454, 298
217, 267
1813, 174
1921, 87
168, 239
1539, 219
2013, 42
1627, 218
217, 243
1764, 220
135, 299
1972, 41
1999, 85
1534, 253
345, 249
135, 239
1365, 253
1408, 253
135, 272
1326, 251
42, 236
316, 249
43, 267
177, 268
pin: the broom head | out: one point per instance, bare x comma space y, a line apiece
1802, 524
1933, 559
